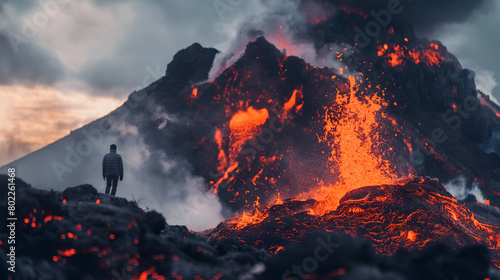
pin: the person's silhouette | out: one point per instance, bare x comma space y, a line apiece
112, 169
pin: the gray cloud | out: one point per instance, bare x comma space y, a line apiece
21, 6
30, 65
23, 61
475, 43
159, 30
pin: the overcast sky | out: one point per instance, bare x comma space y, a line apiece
64, 63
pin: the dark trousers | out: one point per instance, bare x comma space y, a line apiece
111, 180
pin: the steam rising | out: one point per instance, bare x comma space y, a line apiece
284, 24
425, 15
458, 188
165, 184
485, 82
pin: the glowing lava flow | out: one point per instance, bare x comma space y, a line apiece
353, 131
244, 125
288, 106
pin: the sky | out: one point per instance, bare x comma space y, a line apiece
64, 63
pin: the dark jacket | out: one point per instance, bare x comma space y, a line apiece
112, 165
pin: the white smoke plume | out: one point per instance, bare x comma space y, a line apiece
283, 24
458, 188
485, 82
164, 184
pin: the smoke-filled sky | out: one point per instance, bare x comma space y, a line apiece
64, 63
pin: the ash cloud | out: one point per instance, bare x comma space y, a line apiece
425, 15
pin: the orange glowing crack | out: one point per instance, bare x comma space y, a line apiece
226, 175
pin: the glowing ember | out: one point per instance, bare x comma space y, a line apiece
397, 55
66, 253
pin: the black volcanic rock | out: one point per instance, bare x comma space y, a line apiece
83, 192
191, 64
351, 259
81, 234
115, 239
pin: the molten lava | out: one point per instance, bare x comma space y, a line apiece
352, 130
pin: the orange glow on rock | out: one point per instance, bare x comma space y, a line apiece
398, 55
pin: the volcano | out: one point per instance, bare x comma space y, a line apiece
291, 149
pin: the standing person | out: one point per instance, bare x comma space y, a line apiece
112, 169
